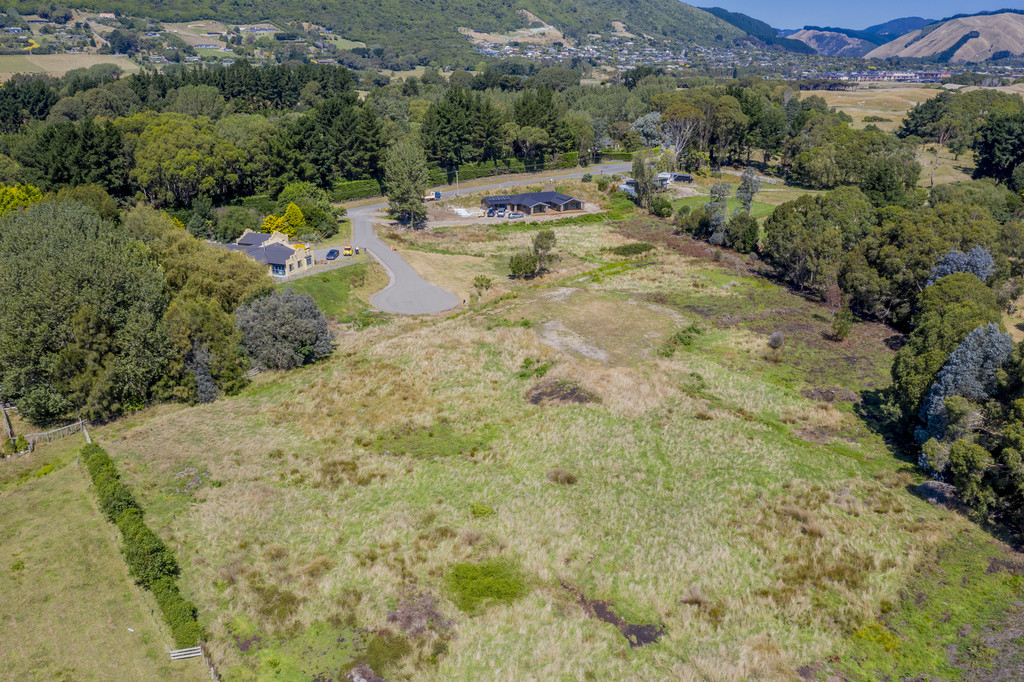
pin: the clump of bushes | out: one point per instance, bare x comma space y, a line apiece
472, 586
587, 177
150, 562
681, 338
561, 476
480, 511
12, 446
284, 330
632, 249
533, 368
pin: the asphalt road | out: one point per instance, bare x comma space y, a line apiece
408, 293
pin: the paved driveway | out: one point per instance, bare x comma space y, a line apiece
408, 293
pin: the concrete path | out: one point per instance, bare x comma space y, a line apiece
408, 293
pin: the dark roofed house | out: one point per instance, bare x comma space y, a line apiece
532, 203
273, 250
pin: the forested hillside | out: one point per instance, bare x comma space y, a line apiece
428, 29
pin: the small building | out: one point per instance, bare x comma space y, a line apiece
281, 257
532, 203
669, 178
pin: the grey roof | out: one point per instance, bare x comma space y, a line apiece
530, 199
253, 239
273, 254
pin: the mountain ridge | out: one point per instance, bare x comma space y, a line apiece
428, 29
971, 38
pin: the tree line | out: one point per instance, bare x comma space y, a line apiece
100, 315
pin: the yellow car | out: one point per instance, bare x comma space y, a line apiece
347, 251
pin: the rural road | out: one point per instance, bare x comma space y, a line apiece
408, 293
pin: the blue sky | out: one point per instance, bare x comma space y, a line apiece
856, 14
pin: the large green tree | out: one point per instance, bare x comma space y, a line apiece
405, 180
81, 308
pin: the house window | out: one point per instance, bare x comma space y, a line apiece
300, 263
291, 266
309, 260
277, 269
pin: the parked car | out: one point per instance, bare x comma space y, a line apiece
501, 213
516, 214
347, 251
332, 254
490, 213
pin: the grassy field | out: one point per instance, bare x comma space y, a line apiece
890, 102
617, 430
58, 64
344, 293
69, 609
940, 166
758, 210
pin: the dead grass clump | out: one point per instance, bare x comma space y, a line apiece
813, 529
797, 513
694, 597
275, 603
317, 568
561, 476
275, 552
419, 615
560, 392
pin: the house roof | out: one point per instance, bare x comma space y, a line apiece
253, 239
272, 254
530, 199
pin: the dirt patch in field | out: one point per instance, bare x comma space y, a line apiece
560, 337
636, 635
560, 392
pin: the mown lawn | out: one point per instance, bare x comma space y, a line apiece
343, 293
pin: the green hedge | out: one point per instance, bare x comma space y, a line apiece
148, 558
150, 562
355, 189
262, 203
616, 156
179, 613
114, 497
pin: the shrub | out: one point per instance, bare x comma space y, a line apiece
632, 249
681, 338
533, 368
284, 330
523, 264
561, 476
148, 558
587, 177
661, 207
178, 612
482, 283
776, 340
474, 585
480, 511
842, 324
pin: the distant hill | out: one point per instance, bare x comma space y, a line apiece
898, 27
759, 30
974, 38
428, 29
834, 42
